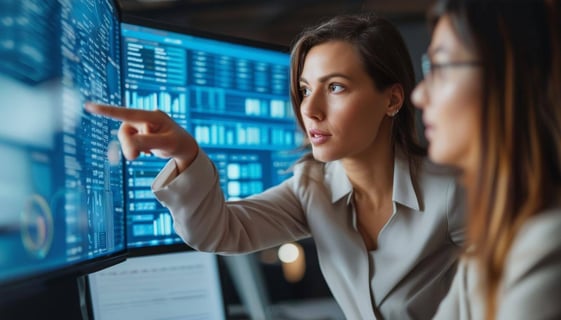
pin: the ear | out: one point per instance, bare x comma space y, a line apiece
396, 97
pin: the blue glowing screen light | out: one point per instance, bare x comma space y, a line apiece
61, 174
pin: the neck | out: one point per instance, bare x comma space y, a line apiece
469, 172
371, 171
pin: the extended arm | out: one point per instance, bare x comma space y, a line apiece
207, 222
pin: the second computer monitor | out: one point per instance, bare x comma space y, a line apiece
61, 178
233, 97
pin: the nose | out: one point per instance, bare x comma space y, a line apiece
419, 96
312, 107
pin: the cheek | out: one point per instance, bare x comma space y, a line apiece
452, 140
457, 129
360, 119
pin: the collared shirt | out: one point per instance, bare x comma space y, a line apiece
404, 278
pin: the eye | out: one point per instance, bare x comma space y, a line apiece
305, 91
336, 88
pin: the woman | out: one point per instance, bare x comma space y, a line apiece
492, 107
386, 223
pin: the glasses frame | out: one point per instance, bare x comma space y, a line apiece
428, 67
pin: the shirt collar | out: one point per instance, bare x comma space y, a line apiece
337, 181
403, 186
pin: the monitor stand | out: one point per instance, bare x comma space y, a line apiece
81, 282
249, 282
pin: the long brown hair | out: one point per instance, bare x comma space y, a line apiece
519, 171
385, 58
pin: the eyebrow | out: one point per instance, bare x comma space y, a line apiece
327, 77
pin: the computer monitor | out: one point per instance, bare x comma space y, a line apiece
231, 94
61, 174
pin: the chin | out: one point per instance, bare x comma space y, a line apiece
442, 157
437, 156
322, 156
321, 159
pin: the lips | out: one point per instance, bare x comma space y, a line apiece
318, 137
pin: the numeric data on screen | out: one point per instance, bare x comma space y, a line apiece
61, 174
232, 98
91, 72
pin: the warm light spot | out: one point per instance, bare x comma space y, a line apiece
288, 253
293, 261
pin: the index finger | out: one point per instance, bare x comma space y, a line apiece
119, 113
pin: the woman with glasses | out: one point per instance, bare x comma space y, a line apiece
387, 224
491, 101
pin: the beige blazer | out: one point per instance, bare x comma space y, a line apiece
531, 287
405, 278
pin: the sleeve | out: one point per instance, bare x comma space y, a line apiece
532, 279
206, 222
456, 210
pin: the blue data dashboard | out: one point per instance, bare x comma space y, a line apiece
61, 181
233, 98
69, 203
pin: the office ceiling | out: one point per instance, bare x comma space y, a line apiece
273, 21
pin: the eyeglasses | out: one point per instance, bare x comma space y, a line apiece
428, 67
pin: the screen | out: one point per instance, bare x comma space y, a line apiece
182, 285
232, 97
61, 177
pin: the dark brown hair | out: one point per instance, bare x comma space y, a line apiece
385, 58
519, 173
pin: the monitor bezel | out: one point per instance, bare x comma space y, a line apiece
35, 283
